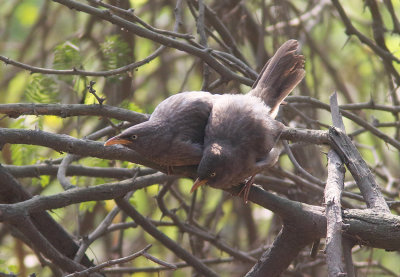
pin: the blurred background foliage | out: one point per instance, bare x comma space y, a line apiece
46, 34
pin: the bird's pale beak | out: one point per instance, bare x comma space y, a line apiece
116, 140
198, 183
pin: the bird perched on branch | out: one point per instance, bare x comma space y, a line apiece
174, 133
241, 131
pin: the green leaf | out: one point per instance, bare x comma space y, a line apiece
44, 180
87, 206
116, 53
128, 104
22, 154
66, 56
42, 89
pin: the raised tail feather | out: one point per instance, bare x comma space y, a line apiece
279, 76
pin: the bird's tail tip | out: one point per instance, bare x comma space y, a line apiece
281, 74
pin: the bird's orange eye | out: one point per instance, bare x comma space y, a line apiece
213, 174
134, 137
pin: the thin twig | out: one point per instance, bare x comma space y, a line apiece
109, 263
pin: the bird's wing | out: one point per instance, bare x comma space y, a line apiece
183, 104
279, 76
184, 115
185, 153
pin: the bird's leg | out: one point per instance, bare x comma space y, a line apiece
170, 169
246, 188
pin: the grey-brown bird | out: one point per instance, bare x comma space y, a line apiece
241, 131
174, 133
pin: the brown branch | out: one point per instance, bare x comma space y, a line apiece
287, 245
67, 110
379, 37
11, 191
351, 30
26, 227
130, 14
333, 194
37, 170
204, 53
76, 71
109, 263
359, 169
316, 103
348, 257
78, 195
200, 233
305, 135
131, 270
396, 23
160, 236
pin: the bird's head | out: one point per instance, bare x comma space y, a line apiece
136, 137
215, 167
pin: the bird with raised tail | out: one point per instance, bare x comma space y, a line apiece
241, 132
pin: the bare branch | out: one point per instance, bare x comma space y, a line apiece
359, 169
164, 40
173, 246
67, 110
333, 194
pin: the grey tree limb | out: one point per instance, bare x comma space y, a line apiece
67, 110
333, 209
11, 192
358, 168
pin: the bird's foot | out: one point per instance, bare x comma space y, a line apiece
246, 189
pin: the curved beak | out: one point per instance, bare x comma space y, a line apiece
116, 140
198, 183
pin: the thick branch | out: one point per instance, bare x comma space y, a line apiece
333, 192
373, 228
370, 227
26, 227
11, 191
359, 169
283, 251
78, 195
305, 135
333, 195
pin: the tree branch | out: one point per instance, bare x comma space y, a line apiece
160, 236
204, 54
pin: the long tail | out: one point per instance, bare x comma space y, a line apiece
280, 76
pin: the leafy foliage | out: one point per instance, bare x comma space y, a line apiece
42, 89
24, 154
67, 56
115, 51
